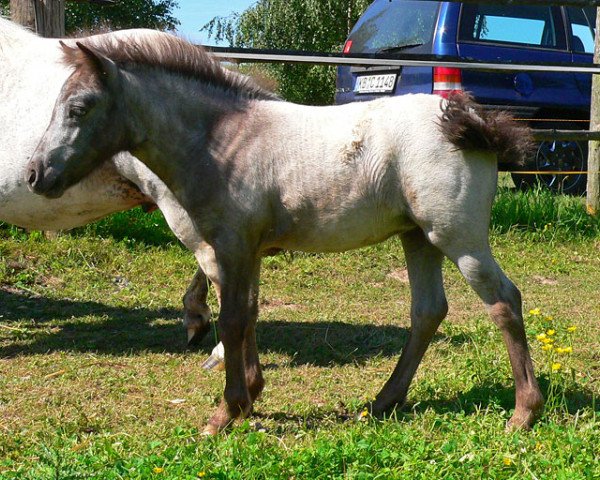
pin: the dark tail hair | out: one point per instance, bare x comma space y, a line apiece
468, 126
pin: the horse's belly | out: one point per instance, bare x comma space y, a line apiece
338, 235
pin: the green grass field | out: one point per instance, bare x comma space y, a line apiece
96, 381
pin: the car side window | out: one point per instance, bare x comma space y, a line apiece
523, 25
582, 22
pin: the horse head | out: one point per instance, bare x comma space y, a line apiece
86, 127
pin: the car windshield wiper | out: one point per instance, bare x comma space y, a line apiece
399, 48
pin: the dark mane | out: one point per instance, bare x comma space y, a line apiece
172, 54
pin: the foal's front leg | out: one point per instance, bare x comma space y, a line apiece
237, 320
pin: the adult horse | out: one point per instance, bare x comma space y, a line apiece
32, 73
257, 175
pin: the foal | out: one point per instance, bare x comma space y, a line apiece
258, 175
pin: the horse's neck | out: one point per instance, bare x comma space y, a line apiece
174, 126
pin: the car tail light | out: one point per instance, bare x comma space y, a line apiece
347, 46
446, 80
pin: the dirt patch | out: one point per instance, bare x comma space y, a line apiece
400, 275
544, 280
272, 303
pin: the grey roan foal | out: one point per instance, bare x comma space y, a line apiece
258, 175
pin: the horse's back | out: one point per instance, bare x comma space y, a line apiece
352, 175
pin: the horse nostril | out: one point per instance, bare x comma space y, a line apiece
32, 179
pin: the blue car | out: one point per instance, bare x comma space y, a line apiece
484, 32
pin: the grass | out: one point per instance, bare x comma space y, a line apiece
96, 381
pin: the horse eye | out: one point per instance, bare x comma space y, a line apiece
77, 111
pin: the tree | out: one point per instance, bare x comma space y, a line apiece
47, 17
312, 25
81, 16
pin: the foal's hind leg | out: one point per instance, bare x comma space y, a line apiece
196, 312
428, 309
503, 302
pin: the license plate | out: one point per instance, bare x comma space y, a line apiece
375, 83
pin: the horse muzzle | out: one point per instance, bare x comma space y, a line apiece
43, 180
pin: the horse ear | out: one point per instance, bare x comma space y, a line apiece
104, 66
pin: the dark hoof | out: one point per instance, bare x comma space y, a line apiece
197, 334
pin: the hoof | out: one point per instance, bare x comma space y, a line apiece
195, 335
216, 361
521, 421
210, 431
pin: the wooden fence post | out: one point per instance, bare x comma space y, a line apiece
593, 179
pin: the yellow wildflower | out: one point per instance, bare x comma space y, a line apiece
541, 337
535, 311
564, 350
571, 329
549, 347
364, 413
550, 332
556, 367
201, 474
507, 461
549, 318
547, 340
158, 470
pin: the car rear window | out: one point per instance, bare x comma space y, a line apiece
583, 25
523, 25
388, 26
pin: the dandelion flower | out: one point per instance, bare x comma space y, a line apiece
550, 332
506, 461
571, 329
364, 413
549, 347
547, 340
158, 470
556, 367
201, 474
541, 337
535, 311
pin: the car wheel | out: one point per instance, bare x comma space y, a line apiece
556, 156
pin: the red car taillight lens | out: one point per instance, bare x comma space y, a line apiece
446, 80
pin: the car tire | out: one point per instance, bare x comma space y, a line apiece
556, 156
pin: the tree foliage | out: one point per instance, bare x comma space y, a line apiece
311, 25
84, 16
123, 14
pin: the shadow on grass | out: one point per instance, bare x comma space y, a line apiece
472, 402
41, 325
501, 396
37, 325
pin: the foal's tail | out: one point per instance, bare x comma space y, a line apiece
465, 124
